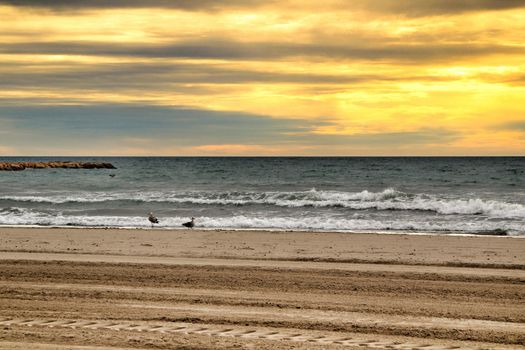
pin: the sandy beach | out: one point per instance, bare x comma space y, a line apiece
190, 289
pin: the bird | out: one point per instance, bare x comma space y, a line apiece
153, 219
111, 175
189, 224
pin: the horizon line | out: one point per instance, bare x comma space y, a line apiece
265, 156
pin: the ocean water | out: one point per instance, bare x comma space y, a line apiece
415, 195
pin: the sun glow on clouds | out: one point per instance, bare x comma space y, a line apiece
354, 77
233, 149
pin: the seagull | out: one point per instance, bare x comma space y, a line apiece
189, 224
153, 219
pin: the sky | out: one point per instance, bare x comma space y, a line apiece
262, 78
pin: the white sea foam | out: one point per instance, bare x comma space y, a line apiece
388, 199
21, 216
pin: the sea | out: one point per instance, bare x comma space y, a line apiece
416, 195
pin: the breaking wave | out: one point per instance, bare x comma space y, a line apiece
22, 216
389, 199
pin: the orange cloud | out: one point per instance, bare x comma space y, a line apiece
7, 151
362, 68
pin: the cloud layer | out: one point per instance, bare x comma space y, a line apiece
101, 4
155, 128
364, 77
406, 7
233, 50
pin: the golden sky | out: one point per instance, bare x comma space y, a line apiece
232, 77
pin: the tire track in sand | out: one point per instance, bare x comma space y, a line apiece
230, 331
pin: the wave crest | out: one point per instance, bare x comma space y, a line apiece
389, 199
21, 216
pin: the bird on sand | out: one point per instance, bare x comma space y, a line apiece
189, 224
153, 219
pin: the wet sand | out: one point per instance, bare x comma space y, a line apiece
156, 289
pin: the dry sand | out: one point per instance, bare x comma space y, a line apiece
157, 289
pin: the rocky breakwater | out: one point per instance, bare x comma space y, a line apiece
17, 166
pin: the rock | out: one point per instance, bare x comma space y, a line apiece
12, 167
17, 166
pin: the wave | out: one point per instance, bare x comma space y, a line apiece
23, 216
389, 199
200, 197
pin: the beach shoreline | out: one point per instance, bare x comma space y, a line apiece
496, 233
220, 289
355, 247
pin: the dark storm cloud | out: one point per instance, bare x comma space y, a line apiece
233, 50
